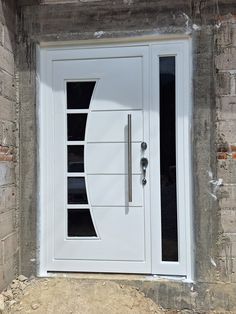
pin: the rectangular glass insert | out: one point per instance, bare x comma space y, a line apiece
76, 125
168, 159
75, 157
77, 190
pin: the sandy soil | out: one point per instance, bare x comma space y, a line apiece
73, 296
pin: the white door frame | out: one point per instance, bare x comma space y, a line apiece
181, 48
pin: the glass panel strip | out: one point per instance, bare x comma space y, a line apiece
168, 159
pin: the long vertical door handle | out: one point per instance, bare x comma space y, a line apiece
129, 158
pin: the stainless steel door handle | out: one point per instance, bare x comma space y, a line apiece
144, 164
129, 158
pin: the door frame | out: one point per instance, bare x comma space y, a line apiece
181, 47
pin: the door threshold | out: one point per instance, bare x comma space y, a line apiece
112, 276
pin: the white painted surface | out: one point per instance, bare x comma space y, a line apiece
113, 190
110, 158
111, 126
145, 246
114, 242
123, 228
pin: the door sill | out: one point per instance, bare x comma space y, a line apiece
112, 276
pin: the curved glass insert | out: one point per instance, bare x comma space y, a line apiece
80, 223
79, 94
77, 193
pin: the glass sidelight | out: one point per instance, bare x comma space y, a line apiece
79, 220
168, 158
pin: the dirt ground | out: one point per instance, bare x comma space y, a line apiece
73, 296
79, 296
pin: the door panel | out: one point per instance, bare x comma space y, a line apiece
112, 190
122, 242
96, 125
86, 95
113, 89
111, 126
111, 158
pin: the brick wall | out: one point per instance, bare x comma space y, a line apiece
225, 62
9, 248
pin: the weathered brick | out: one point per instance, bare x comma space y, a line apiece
7, 86
226, 59
7, 198
223, 83
8, 272
228, 220
7, 173
228, 197
7, 223
228, 245
226, 107
10, 246
233, 30
10, 197
224, 35
233, 84
226, 131
226, 267
7, 60
227, 170
8, 133
7, 109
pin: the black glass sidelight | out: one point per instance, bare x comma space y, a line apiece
75, 158
79, 94
76, 125
168, 159
80, 223
77, 191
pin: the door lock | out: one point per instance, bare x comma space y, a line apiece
144, 145
144, 164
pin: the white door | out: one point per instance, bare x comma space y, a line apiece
100, 155
101, 221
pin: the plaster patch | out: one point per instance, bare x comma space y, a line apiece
99, 34
187, 19
213, 262
196, 27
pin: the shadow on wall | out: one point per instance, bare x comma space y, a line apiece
8, 19
27, 2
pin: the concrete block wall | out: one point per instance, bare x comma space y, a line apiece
211, 25
9, 239
225, 62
